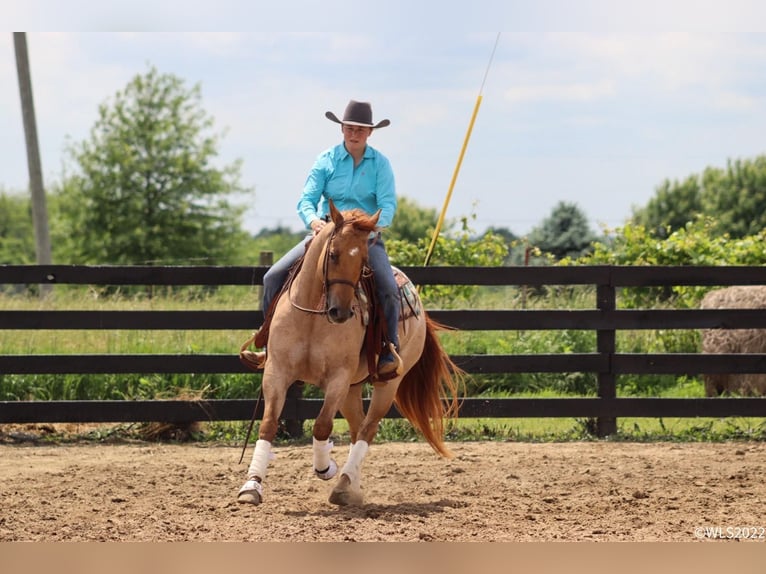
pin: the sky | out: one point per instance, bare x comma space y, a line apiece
592, 103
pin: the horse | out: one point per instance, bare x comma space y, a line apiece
317, 335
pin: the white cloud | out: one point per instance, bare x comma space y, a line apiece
578, 92
563, 115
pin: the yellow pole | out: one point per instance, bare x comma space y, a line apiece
440, 221
452, 183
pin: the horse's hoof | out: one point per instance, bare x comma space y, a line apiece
329, 473
251, 493
346, 498
344, 494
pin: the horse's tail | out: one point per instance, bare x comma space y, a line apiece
428, 392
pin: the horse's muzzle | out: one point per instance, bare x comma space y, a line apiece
336, 314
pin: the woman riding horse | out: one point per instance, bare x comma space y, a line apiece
353, 175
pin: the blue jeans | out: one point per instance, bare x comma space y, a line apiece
385, 284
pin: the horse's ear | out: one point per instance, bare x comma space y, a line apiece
337, 216
375, 217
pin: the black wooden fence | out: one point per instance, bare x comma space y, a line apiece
604, 318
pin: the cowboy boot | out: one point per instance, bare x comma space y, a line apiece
389, 364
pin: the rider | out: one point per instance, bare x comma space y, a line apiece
353, 175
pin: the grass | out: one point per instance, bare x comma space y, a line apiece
127, 341
527, 430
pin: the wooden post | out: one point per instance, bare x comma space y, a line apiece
39, 208
294, 426
606, 345
266, 259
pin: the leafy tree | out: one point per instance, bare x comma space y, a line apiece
412, 222
17, 236
673, 206
564, 233
697, 243
516, 248
451, 248
503, 232
734, 197
145, 189
279, 240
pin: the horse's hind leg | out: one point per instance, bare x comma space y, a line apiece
353, 410
348, 491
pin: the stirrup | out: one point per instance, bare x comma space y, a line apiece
388, 372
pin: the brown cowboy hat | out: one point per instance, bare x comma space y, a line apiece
357, 114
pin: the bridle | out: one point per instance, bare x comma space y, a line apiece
327, 282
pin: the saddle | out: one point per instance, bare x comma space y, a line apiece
370, 313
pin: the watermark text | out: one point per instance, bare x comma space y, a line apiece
731, 532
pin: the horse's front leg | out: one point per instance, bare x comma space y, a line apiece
348, 491
274, 394
335, 393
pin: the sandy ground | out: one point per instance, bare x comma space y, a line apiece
488, 492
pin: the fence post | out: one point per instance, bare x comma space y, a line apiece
606, 300
294, 426
266, 259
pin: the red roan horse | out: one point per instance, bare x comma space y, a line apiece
317, 335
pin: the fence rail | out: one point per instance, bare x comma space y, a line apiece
605, 319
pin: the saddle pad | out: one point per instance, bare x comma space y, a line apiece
409, 296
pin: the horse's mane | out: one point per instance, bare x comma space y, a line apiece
359, 220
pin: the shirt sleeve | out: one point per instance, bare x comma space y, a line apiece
312, 190
385, 192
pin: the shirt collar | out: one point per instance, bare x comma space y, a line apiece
368, 151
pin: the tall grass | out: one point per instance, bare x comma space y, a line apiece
69, 387
126, 386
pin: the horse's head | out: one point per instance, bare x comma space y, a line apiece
345, 260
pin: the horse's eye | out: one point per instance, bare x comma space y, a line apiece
333, 256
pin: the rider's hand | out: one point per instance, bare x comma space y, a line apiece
317, 225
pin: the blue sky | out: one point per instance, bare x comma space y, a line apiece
594, 106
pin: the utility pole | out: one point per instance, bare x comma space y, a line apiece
39, 208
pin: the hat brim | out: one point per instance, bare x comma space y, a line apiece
381, 124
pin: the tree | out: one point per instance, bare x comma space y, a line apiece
695, 244
564, 233
503, 232
412, 222
515, 247
278, 240
17, 238
673, 206
451, 248
736, 196
145, 190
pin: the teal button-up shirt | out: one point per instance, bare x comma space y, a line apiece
368, 186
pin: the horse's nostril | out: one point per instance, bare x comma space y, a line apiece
339, 314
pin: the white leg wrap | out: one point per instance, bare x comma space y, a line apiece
353, 466
322, 450
261, 457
